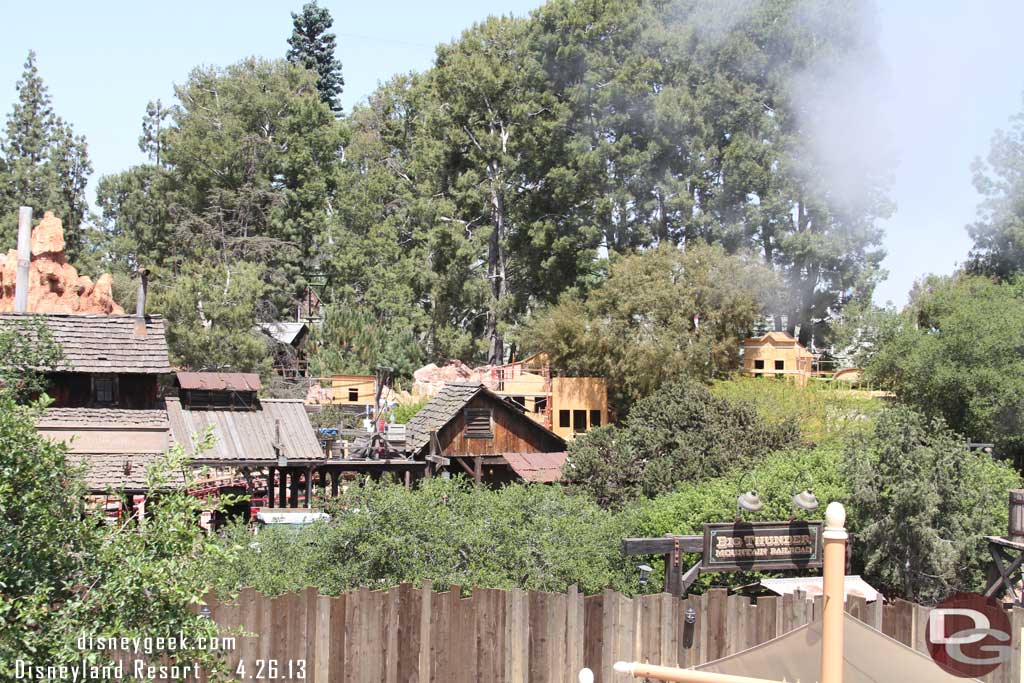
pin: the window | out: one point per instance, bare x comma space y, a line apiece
103, 390
780, 365
540, 404
563, 419
353, 394
579, 421
521, 400
759, 365
595, 418
478, 424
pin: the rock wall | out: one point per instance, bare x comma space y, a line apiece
54, 285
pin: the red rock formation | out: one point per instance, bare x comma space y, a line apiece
54, 285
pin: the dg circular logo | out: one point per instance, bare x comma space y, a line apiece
969, 635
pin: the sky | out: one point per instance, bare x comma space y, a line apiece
954, 72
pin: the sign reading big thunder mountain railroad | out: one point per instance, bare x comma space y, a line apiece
753, 546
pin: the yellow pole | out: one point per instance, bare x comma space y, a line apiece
668, 673
835, 591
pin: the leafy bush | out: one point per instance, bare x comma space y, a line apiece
776, 478
381, 534
822, 413
64, 575
926, 502
682, 432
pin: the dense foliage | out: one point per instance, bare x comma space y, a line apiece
452, 204
43, 164
28, 351
64, 574
956, 353
381, 534
823, 413
662, 314
680, 433
925, 503
312, 46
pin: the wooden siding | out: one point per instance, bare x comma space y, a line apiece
513, 433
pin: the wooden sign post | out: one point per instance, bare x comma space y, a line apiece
733, 547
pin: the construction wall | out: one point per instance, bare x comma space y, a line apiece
354, 390
583, 401
787, 358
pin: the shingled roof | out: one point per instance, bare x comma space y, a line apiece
117, 471
105, 343
438, 412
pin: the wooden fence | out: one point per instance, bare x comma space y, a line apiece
410, 634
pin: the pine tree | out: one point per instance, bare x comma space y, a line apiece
44, 164
313, 47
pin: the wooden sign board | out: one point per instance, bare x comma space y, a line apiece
756, 546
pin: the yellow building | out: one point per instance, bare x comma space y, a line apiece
565, 405
351, 390
777, 354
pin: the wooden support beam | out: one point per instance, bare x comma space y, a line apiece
467, 468
662, 546
478, 470
282, 498
271, 472
309, 487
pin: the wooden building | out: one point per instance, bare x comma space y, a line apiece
288, 346
566, 405
110, 361
485, 436
778, 355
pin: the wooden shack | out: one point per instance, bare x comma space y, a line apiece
484, 435
777, 355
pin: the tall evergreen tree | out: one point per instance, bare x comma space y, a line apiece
44, 164
313, 47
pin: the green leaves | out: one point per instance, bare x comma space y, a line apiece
926, 503
312, 47
956, 352
660, 315
43, 164
680, 433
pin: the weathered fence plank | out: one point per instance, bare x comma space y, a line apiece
412, 634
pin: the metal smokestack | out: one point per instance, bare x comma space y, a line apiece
24, 258
140, 303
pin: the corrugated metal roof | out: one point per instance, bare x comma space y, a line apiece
247, 435
219, 381
812, 586
105, 343
543, 468
283, 332
116, 471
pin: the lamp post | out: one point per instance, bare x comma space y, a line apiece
835, 592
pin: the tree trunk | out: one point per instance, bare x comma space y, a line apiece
496, 276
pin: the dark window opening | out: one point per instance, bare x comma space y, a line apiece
759, 365
563, 419
478, 424
353, 394
540, 404
780, 365
521, 400
595, 418
103, 390
579, 421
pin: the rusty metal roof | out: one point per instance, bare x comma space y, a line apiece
247, 436
219, 381
544, 468
104, 343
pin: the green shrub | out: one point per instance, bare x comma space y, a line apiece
680, 433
